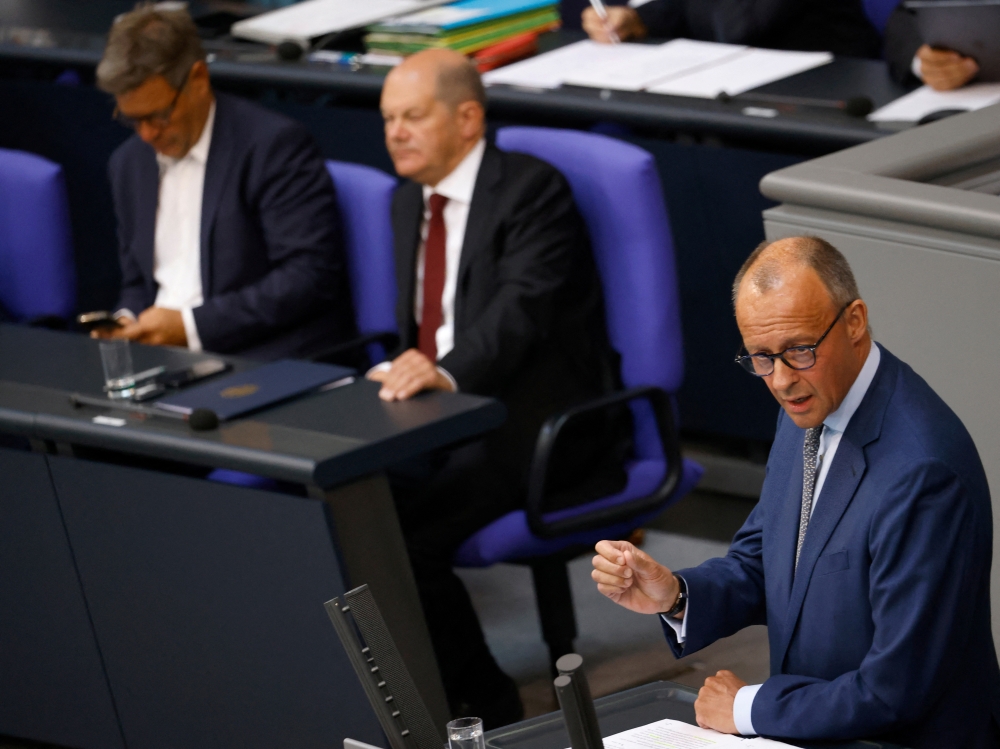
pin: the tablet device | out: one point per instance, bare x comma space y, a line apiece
971, 27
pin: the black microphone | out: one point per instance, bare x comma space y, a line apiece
577, 704
200, 419
856, 106
289, 50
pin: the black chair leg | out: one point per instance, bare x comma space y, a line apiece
555, 607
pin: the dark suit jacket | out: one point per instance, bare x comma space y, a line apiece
902, 40
529, 312
838, 26
884, 629
272, 261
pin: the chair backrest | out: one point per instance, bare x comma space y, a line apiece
878, 12
37, 270
364, 196
617, 189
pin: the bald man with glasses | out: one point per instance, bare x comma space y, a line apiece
868, 556
229, 235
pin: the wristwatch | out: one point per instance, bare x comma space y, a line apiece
682, 598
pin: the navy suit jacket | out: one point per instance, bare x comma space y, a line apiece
273, 274
884, 630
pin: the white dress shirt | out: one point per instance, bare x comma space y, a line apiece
177, 238
834, 427
458, 187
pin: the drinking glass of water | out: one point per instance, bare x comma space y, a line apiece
116, 358
466, 733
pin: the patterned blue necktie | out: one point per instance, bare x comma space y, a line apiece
810, 452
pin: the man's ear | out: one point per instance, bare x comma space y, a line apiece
857, 319
471, 118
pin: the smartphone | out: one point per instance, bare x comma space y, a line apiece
178, 378
94, 320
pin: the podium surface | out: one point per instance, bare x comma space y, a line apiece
147, 607
629, 709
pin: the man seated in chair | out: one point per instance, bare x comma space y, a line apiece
227, 218
498, 296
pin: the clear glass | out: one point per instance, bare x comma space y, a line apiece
116, 358
466, 733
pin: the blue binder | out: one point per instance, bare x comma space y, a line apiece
243, 392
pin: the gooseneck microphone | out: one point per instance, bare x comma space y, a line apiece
200, 420
577, 704
856, 106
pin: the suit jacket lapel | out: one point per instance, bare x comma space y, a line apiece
408, 215
220, 157
841, 484
147, 199
479, 228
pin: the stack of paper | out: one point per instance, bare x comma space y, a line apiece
673, 734
466, 26
681, 67
925, 100
313, 18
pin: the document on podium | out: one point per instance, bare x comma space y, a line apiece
549, 70
917, 104
674, 734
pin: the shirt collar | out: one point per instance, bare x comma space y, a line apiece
199, 151
840, 418
460, 184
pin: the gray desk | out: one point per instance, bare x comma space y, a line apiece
918, 217
145, 607
620, 712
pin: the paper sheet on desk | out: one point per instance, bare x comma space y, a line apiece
551, 69
741, 72
916, 104
673, 734
649, 64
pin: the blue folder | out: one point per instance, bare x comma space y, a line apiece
248, 391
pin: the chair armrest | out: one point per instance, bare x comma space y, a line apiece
663, 413
388, 340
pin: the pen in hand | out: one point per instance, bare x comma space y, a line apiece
602, 13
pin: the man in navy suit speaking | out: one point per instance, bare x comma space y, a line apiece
227, 218
869, 553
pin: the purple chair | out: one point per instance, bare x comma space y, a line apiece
878, 12
37, 271
364, 197
617, 189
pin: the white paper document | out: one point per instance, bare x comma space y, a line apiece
741, 72
673, 734
549, 70
925, 100
649, 64
312, 18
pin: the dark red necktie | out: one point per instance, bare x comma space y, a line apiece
434, 275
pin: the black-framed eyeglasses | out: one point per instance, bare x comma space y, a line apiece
795, 357
159, 119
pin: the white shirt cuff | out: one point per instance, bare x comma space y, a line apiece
383, 367
915, 67
742, 708
190, 329
447, 376
127, 313
680, 628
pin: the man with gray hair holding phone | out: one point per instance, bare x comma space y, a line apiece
229, 233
